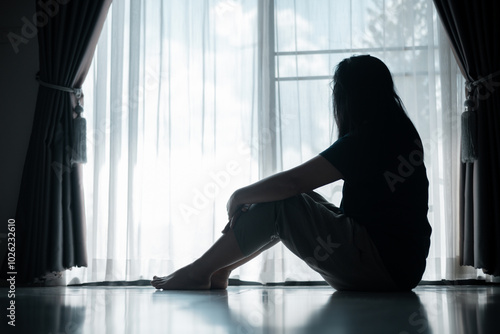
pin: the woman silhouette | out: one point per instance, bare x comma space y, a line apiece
379, 237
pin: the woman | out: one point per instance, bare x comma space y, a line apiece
379, 237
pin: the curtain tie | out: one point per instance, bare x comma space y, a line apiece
77, 91
472, 86
79, 149
469, 116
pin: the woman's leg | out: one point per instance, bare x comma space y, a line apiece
253, 233
196, 276
334, 245
219, 279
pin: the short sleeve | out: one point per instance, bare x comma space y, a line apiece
348, 155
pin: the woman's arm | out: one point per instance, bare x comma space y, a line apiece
306, 177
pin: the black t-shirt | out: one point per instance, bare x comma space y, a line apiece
386, 190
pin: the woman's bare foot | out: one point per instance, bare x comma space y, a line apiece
186, 278
219, 279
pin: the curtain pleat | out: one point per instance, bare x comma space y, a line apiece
50, 218
474, 31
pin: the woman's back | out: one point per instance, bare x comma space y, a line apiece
386, 190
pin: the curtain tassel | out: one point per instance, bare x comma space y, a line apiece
470, 152
79, 153
469, 132
79, 137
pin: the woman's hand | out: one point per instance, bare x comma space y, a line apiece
303, 178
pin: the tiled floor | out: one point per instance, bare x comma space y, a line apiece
253, 309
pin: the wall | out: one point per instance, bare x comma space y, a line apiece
18, 90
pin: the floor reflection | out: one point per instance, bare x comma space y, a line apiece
353, 312
305, 310
429, 309
45, 310
462, 309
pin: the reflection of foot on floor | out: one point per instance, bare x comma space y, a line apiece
183, 279
219, 279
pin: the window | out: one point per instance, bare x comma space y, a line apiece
188, 100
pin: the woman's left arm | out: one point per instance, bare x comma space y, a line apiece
308, 176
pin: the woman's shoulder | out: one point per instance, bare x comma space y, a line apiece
395, 130
397, 134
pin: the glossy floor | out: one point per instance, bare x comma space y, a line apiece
253, 309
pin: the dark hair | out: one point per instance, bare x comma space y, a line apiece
363, 92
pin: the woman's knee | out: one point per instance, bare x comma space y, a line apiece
256, 227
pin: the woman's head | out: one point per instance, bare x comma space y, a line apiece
363, 91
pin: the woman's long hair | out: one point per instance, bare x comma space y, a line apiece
363, 92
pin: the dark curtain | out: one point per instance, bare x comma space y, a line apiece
474, 32
50, 218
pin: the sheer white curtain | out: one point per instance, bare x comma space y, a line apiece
172, 108
190, 100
